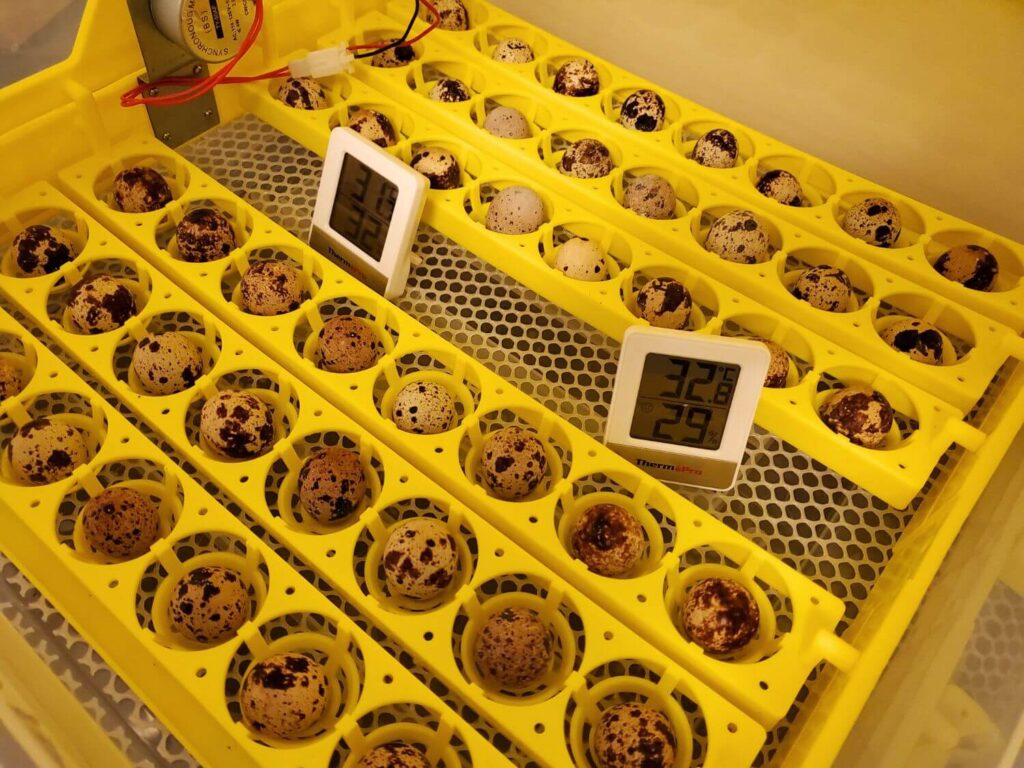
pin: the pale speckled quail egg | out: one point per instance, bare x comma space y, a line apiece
778, 367
394, 754
513, 462
284, 695
634, 735
332, 484
651, 196
373, 126
716, 149
167, 363
826, 288
507, 123
918, 340
515, 648
515, 211
643, 110
453, 13
100, 304
303, 93
665, 303
237, 424
720, 615
581, 259
398, 56
972, 266
782, 187
10, 379
577, 77
205, 234
424, 408
586, 159
449, 90
860, 414
420, 558
876, 221
608, 539
120, 522
209, 604
45, 451
41, 250
348, 345
141, 190
741, 237
440, 167
271, 288
513, 51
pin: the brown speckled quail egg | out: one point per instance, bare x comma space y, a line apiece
665, 303
826, 288
439, 166
643, 110
41, 250
514, 648
398, 56
209, 604
860, 414
205, 234
972, 266
651, 196
876, 221
515, 211
720, 615
420, 558
272, 288
716, 149
453, 13
284, 695
424, 408
45, 451
778, 367
237, 424
782, 187
10, 379
513, 462
303, 93
167, 363
740, 236
634, 735
100, 304
608, 539
373, 126
141, 190
916, 339
394, 754
513, 51
332, 484
507, 123
449, 90
348, 345
581, 259
577, 77
586, 159
120, 522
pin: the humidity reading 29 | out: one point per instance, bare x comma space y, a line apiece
363, 207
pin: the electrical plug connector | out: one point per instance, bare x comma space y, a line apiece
323, 63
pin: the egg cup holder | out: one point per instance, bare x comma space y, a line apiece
166, 237
337, 91
377, 315
613, 99
19, 355
789, 337
954, 348
545, 69
704, 309
423, 74
481, 194
537, 115
71, 225
128, 274
487, 36
231, 281
386, 32
553, 145
618, 255
816, 181
687, 195
704, 220
174, 171
435, 366
797, 261
200, 329
1010, 258
685, 135
424, 729
470, 163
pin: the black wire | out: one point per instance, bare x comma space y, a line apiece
397, 43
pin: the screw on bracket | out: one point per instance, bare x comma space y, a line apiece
208, 113
166, 136
153, 92
197, 70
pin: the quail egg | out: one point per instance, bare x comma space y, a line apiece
398, 56
665, 303
918, 340
120, 522
284, 695
515, 648
634, 735
141, 190
741, 237
449, 90
507, 123
167, 363
453, 13
374, 126
303, 93
272, 288
860, 414
515, 211
420, 558
209, 604
332, 484
581, 259
778, 368
41, 250
716, 149
424, 408
577, 77
45, 451
643, 110
100, 304
782, 187
237, 424
10, 379
439, 166
348, 345
205, 234
586, 159
826, 288
651, 196
970, 265
608, 539
720, 615
513, 51
394, 754
513, 462
876, 221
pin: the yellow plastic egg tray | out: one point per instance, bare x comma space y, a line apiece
494, 572
116, 604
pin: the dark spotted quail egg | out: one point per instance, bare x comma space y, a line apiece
581, 259
741, 237
586, 159
716, 149
284, 695
450, 91
100, 304
608, 539
513, 51
577, 77
420, 558
10, 379
651, 196
453, 13
374, 126
876, 221
826, 288
45, 451
778, 368
634, 735
205, 234
167, 363
237, 424
440, 167
970, 265
720, 615
917, 339
398, 56
303, 93
507, 123
860, 414
643, 110
332, 484
665, 303
515, 211
514, 648
424, 408
209, 604
120, 522
394, 754
782, 187
41, 250
271, 288
141, 190
348, 345
513, 462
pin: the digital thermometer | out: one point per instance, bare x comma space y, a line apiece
684, 403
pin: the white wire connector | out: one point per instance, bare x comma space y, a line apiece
323, 63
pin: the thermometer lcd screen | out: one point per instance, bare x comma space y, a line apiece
363, 207
682, 401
